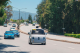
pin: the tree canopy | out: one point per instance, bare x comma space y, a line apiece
57, 14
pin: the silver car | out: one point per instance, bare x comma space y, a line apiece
37, 35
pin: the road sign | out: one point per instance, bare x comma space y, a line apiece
63, 28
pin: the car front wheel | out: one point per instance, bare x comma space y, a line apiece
30, 41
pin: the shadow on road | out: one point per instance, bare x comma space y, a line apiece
13, 52
36, 44
3, 46
1, 36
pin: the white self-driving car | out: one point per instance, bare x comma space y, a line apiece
37, 35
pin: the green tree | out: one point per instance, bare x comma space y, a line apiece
21, 18
3, 15
30, 18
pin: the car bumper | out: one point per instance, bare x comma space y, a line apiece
9, 36
38, 41
16, 35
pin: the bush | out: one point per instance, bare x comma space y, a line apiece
72, 35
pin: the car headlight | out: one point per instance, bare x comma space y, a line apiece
43, 37
5, 35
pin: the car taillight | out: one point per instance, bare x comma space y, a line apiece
32, 37
43, 37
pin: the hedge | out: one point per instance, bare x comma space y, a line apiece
72, 35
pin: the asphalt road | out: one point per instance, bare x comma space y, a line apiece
20, 45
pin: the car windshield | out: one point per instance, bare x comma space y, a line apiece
9, 33
12, 28
5, 24
13, 24
15, 31
37, 31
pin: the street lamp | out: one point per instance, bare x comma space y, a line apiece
19, 12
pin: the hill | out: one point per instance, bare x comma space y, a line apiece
23, 14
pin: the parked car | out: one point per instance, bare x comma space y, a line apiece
12, 28
37, 35
9, 34
16, 33
5, 25
14, 25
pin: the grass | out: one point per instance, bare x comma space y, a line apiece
72, 35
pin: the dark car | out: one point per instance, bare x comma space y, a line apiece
16, 33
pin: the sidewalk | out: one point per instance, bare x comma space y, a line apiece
56, 37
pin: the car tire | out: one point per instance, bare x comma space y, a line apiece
13, 38
18, 36
30, 42
43, 43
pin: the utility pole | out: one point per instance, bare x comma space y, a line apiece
25, 16
19, 15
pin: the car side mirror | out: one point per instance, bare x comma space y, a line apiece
45, 33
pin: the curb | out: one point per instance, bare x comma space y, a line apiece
53, 39
64, 41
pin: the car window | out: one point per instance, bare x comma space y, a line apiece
5, 24
15, 31
13, 24
12, 28
9, 33
37, 31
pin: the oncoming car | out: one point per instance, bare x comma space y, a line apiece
9, 23
8, 34
37, 36
14, 25
12, 28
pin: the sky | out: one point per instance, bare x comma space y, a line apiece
31, 5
